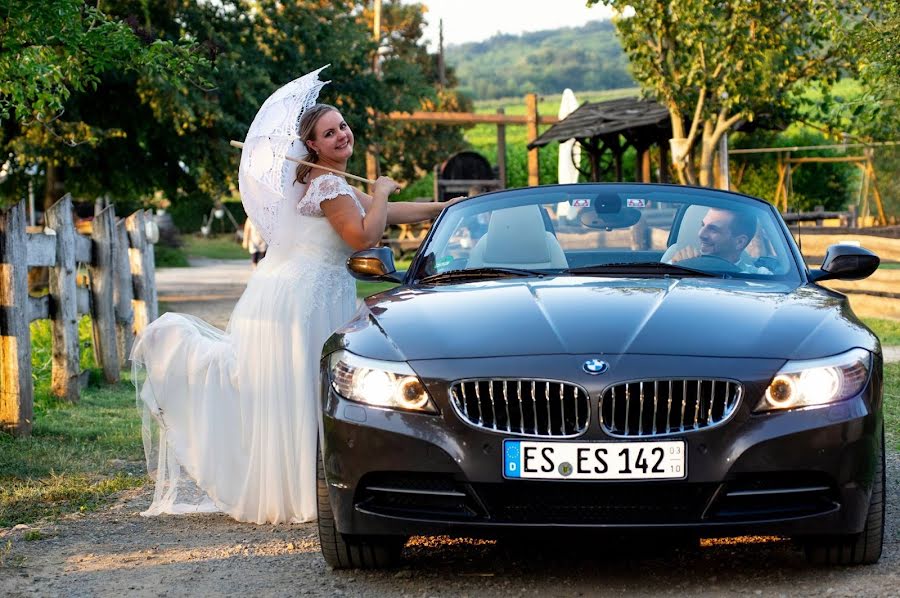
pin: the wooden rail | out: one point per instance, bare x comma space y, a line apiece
120, 297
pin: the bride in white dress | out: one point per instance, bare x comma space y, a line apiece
231, 418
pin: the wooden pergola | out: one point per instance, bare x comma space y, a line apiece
610, 128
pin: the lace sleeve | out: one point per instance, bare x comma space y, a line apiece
323, 188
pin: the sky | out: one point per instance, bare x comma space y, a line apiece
477, 20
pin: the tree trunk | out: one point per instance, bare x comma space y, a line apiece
708, 154
679, 133
54, 189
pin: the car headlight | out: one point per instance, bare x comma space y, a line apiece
388, 384
817, 381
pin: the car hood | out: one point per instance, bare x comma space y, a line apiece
660, 316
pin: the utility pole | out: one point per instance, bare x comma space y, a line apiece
371, 150
442, 70
376, 35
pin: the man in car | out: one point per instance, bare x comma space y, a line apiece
724, 234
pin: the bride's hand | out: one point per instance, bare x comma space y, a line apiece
386, 185
452, 201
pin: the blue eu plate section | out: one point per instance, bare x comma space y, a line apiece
512, 458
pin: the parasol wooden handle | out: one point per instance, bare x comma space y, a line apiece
238, 144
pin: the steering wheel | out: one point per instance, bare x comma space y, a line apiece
709, 262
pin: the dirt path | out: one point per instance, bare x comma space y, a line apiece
115, 551
208, 290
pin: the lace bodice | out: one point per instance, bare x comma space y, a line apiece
322, 188
304, 236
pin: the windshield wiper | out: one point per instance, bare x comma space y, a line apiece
641, 267
479, 274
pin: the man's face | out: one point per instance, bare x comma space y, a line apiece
716, 236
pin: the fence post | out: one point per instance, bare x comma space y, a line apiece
531, 116
102, 282
852, 220
16, 386
66, 368
142, 263
150, 267
123, 294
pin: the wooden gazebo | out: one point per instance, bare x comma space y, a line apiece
606, 129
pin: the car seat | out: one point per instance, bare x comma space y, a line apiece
518, 238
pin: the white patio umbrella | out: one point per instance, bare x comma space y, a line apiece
569, 153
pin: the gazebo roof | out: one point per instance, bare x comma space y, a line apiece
628, 116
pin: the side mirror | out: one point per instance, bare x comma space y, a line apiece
846, 262
374, 265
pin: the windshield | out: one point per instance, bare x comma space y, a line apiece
640, 230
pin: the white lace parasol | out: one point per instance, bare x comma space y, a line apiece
266, 174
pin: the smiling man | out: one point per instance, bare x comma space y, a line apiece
724, 234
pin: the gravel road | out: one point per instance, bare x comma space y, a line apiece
115, 551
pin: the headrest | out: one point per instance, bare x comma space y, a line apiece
517, 236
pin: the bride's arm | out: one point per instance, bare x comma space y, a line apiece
360, 232
407, 212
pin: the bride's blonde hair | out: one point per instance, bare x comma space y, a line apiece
307, 132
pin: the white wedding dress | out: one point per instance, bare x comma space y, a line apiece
231, 418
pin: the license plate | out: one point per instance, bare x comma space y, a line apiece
659, 460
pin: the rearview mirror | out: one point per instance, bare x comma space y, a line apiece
373, 265
846, 262
624, 218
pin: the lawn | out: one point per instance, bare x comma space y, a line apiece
222, 247
364, 289
892, 404
887, 330
77, 455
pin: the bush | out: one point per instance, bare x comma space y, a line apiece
169, 257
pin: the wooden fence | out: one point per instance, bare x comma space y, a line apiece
117, 266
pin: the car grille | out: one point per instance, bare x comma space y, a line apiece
524, 407
659, 407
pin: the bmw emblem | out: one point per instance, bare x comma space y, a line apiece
595, 367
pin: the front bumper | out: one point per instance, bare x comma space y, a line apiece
803, 472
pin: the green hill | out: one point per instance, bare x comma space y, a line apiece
586, 57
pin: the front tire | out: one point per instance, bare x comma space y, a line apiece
855, 549
342, 551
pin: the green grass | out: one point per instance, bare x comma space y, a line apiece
221, 248
78, 455
887, 330
892, 403
169, 257
364, 289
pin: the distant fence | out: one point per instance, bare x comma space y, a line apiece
846, 219
119, 295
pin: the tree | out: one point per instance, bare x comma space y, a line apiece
42, 73
129, 128
874, 114
714, 63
